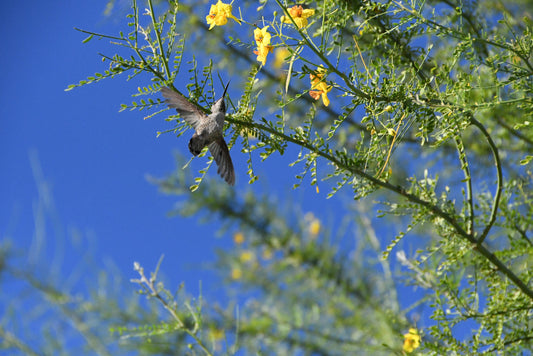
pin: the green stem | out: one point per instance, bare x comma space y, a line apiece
468, 180
136, 23
100, 35
499, 174
159, 42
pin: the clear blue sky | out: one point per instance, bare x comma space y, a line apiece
96, 159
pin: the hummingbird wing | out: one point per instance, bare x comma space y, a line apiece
220, 152
187, 110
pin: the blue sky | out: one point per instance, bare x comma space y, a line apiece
94, 159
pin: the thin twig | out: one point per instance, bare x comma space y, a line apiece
468, 181
499, 174
158, 35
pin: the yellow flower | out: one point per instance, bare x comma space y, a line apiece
299, 15
280, 55
262, 38
411, 341
262, 53
319, 86
246, 256
267, 254
238, 238
218, 334
219, 13
236, 273
314, 227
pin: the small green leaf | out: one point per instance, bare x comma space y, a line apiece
526, 160
87, 39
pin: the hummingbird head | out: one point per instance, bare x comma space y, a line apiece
219, 105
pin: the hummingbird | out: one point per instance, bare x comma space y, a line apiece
208, 129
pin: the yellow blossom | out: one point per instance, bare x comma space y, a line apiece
280, 55
267, 254
262, 38
218, 334
411, 341
236, 273
238, 238
319, 87
299, 15
219, 13
262, 53
314, 227
246, 256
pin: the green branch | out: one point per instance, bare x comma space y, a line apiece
159, 42
499, 174
478, 246
468, 181
100, 35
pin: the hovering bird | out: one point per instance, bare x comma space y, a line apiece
208, 129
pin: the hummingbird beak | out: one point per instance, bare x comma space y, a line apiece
225, 89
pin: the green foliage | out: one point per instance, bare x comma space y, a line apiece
312, 296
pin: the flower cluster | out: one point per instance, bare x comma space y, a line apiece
411, 340
262, 39
296, 15
299, 15
319, 87
219, 14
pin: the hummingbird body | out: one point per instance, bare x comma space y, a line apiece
208, 130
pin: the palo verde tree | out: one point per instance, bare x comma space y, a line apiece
423, 106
